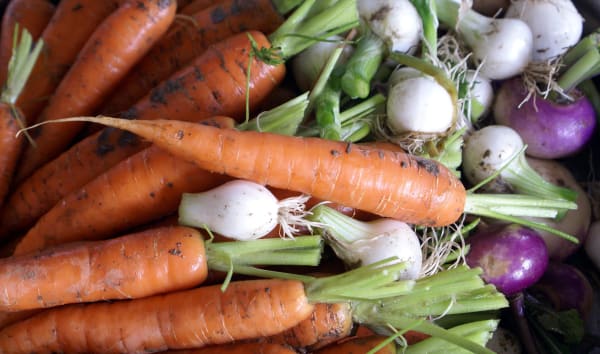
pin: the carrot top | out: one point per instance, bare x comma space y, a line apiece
23, 58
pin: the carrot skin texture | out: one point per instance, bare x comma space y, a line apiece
148, 185
328, 323
110, 52
187, 39
239, 348
387, 183
10, 147
62, 43
32, 15
195, 5
359, 345
135, 265
188, 94
177, 320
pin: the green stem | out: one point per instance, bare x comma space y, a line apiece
589, 89
427, 11
303, 27
285, 6
241, 257
23, 58
579, 71
283, 119
340, 226
479, 332
363, 64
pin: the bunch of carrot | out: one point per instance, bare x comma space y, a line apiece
88, 212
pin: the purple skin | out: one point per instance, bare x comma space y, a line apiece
549, 129
566, 288
512, 257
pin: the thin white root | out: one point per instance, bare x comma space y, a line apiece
292, 216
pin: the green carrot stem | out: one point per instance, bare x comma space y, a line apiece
363, 284
479, 332
327, 109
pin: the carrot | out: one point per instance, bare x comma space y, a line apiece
136, 265
23, 57
204, 88
326, 324
113, 48
71, 25
193, 318
392, 184
239, 348
186, 40
389, 184
361, 345
33, 15
177, 320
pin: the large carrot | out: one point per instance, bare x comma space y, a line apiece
387, 183
390, 184
111, 51
153, 261
33, 15
214, 84
191, 7
69, 28
191, 318
186, 40
23, 56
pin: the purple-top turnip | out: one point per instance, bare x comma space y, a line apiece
512, 257
551, 130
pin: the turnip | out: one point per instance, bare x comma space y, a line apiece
499, 149
480, 95
502, 47
557, 121
574, 222
550, 129
417, 103
556, 25
242, 210
360, 243
512, 257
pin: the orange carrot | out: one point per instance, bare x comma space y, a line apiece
176, 320
9, 145
32, 15
328, 323
136, 265
204, 88
359, 345
148, 185
389, 184
69, 28
113, 48
239, 348
186, 40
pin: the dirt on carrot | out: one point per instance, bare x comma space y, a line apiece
117, 43
188, 38
390, 184
176, 320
